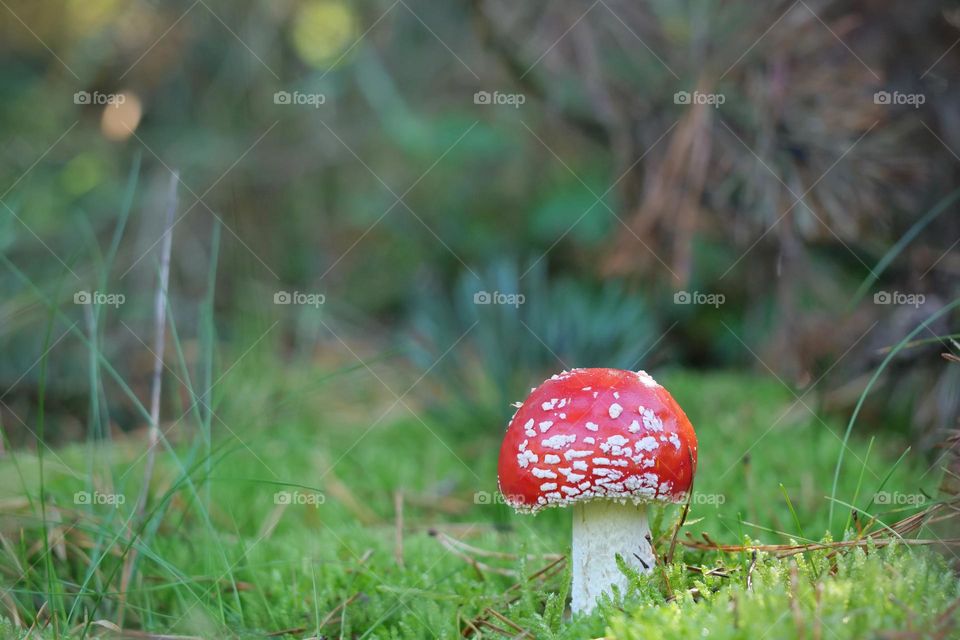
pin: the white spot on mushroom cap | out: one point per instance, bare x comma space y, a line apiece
570, 454
647, 443
545, 426
580, 465
650, 419
647, 380
616, 441
589, 440
675, 441
548, 486
551, 458
525, 458
592, 426
610, 474
542, 473
615, 410
558, 441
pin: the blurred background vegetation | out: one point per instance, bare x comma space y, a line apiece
382, 184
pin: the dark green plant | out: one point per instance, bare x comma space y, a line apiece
502, 349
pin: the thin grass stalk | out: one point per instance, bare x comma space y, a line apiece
159, 335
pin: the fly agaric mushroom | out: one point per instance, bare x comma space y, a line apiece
606, 442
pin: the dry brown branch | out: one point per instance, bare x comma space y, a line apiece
473, 626
477, 551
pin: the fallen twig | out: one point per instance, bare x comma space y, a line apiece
547, 572
786, 550
477, 551
343, 605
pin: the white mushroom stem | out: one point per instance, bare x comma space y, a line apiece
601, 530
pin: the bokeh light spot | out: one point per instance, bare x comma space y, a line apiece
121, 117
322, 31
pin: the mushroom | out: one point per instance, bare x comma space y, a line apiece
607, 442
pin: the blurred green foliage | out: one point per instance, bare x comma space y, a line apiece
506, 328
339, 148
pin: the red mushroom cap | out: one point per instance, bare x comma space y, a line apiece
590, 434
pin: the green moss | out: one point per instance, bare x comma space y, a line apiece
867, 593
